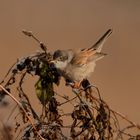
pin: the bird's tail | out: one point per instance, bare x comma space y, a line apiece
99, 44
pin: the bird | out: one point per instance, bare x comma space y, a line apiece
76, 66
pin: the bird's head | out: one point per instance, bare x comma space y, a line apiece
60, 59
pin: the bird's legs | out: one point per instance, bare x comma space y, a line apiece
74, 84
77, 84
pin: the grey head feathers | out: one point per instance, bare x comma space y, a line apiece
63, 55
60, 55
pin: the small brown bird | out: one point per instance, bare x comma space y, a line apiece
77, 66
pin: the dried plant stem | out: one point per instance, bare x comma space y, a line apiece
124, 117
30, 34
117, 113
19, 104
68, 101
86, 107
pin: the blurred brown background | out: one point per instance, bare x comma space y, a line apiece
78, 24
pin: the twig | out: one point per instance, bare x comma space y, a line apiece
22, 94
86, 107
68, 101
30, 34
97, 89
20, 105
117, 113
7, 73
124, 117
83, 129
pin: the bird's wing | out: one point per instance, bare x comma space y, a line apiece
82, 57
92, 53
85, 56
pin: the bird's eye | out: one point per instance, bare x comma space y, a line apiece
63, 58
60, 58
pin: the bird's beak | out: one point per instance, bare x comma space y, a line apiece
52, 64
52, 61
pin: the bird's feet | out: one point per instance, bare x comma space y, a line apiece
74, 85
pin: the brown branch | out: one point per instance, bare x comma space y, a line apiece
68, 101
85, 106
20, 105
30, 34
115, 112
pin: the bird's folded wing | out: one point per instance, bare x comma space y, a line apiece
82, 57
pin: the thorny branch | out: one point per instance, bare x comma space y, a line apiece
91, 117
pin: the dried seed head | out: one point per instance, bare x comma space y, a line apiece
28, 33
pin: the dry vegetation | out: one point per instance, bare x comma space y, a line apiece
92, 118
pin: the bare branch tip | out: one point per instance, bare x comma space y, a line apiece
27, 33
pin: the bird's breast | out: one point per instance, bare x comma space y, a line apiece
78, 73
